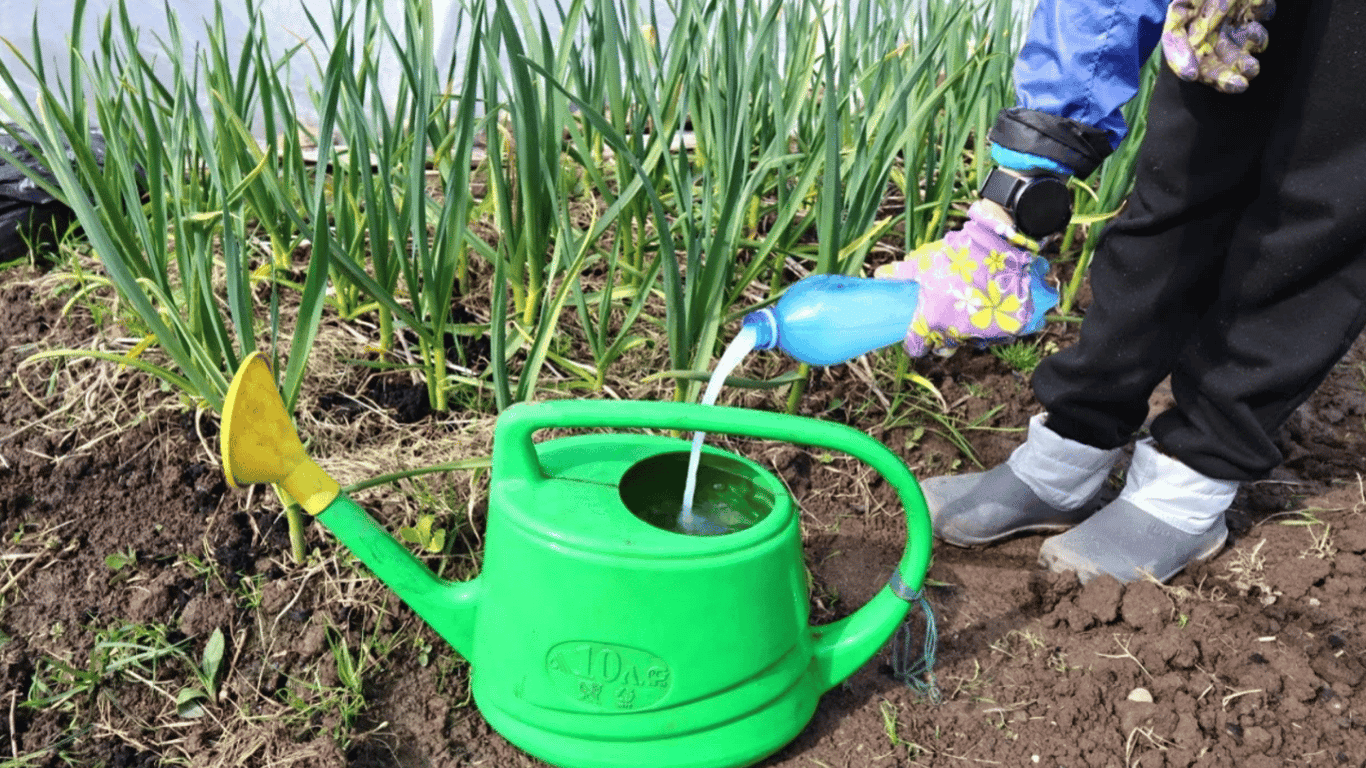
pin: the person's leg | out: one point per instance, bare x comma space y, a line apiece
1154, 278
1149, 280
1292, 298
1289, 301
1157, 265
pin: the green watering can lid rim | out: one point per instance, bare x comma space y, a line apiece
616, 530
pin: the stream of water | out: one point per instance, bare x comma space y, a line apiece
740, 346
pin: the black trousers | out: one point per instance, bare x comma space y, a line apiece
1239, 265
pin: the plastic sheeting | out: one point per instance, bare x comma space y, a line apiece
286, 26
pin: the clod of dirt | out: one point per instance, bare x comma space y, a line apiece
1177, 648
1101, 598
151, 600
236, 556
1075, 618
1352, 536
313, 640
1339, 671
204, 614
1351, 565
1134, 715
1294, 577
1145, 607
275, 595
406, 400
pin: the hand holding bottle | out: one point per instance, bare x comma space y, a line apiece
978, 285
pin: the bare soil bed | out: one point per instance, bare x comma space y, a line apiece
124, 551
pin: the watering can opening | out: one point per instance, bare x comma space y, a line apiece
728, 492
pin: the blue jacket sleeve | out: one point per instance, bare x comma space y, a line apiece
1081, 59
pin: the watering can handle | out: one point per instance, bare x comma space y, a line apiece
515, 456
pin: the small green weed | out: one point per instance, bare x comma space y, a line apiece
191, 699
120, 560
140, 654
1023, 356
1057, 662
425, 534
889, 722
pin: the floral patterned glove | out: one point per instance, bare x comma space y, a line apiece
979, 284
1212, 41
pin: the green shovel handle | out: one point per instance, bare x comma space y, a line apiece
515, 456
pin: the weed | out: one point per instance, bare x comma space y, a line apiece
251, 593
424, 650
1001, 723
891, 726
131, 653
425, 534
889, 722
336, 700
1321, 544
190, 701
1132, 744
952, 427
122, 565
913, 439
1023, 356
1182, 595
1320, 534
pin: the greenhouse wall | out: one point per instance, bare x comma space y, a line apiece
288, 26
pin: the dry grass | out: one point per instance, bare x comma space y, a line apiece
1247, 571
1183, 596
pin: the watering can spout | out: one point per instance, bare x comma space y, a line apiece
449, 607
259, 445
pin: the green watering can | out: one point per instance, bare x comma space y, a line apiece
596, 634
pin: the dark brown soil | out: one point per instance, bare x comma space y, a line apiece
1254, 659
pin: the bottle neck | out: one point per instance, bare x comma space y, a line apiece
765, 325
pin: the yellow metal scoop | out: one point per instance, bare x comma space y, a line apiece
259, 444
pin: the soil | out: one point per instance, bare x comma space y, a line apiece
124, 552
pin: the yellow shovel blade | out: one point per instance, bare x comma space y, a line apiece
258, 440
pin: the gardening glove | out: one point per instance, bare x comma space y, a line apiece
979, 285
1213, 41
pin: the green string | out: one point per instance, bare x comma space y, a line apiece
914, 669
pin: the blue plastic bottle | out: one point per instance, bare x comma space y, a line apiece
828, 319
